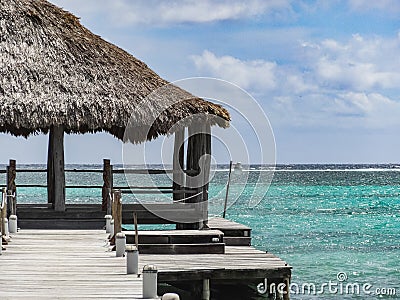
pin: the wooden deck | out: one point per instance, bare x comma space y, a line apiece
46, 264
178, 241
235, 234
65, 264
90, 216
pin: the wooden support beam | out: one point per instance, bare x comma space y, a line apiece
55, 169
178, 167
50, 170
11, 187
117, 211
178, 164
107, 185
198, 159
206, 171
286, 294
192, 164
3, 215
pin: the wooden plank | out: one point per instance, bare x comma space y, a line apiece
83, 171
61, 223
147, 214
174, 236
191, 233
32, 185
209, 248
31, 170
227, 224
160, 213
230, 228
141, 171
237, 240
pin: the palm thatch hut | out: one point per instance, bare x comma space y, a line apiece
58, 77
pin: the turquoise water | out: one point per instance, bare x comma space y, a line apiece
326, 222
322, 220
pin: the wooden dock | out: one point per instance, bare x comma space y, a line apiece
65, 264
90, 216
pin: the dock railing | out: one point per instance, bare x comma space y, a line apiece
179, 194
185, 199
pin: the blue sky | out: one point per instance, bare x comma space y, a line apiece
326, 73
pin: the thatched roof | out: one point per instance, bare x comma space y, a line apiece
56, 72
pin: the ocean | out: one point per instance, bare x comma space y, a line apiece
337, 225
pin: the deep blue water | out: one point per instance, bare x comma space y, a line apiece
322, 219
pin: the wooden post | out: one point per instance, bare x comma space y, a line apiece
55, 169
117, 211
227, 190
206, 170
178, 165
107, 185
286, 294
199, 144
192, 165
50, 171
3, 213
11, 187
136, 230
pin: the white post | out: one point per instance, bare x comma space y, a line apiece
132, 260
111, 228
1, 243
206, 289
6, 231
170, 296
120, 243
13, 226
150, 282
108, 223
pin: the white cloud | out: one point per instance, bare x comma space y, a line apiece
374, 109
254, 74
357, 65
360, 64
390, 6
348, 84
158, 12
